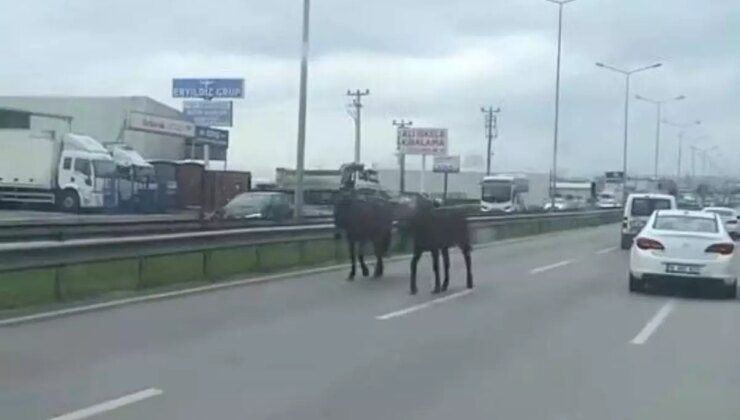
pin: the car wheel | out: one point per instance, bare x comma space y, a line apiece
69, 201
636, 285
626, 242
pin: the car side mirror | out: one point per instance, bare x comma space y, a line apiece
88, 181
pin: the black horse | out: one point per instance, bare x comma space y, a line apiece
364, 219
436, 229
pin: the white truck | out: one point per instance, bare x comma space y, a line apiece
504, 193
70, 171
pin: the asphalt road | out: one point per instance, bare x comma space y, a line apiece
550, 332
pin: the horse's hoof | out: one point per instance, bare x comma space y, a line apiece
413, 291
365, 274
436, 291
444, 288
350, 278
470, 285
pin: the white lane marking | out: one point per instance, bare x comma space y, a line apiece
109, 405
421, 306
606, 250
654, 323
550, 267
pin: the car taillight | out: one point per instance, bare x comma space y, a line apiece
723, 248
732, 222
624, 223
647, 243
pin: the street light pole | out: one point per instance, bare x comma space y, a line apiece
626, 74
681, 134
301, 152
658, 105
560, 4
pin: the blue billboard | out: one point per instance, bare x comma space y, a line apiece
207, 88
213, 136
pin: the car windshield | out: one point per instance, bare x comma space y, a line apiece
496, 192
686, 224
104, 168
646, 206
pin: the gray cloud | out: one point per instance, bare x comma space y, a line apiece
435, 61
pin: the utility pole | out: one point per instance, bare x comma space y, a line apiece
401, 156
693, 157
491, 124
301, 153
357, 115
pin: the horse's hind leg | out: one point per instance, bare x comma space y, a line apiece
378, 245
435, 267
414, 263
351, 246
361, 252
446, 263
466, 254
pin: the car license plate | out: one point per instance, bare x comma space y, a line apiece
682, 269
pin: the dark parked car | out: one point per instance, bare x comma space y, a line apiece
264, 205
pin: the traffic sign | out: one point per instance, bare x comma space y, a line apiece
212, 136
207, 88
446, 164
209, 113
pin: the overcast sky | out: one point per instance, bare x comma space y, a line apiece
435, 62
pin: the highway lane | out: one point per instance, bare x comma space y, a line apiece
546, 334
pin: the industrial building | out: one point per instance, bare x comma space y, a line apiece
153, 129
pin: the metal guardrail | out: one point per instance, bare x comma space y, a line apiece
61, 230
44, 254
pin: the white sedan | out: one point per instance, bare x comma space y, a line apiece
679, 247
728, 217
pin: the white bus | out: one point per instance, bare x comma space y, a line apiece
504, 193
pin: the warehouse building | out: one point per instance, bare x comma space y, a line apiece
153, 129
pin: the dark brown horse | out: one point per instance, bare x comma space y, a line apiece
436, 229
364, 219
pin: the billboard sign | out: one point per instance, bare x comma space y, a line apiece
207, 88
209, 113
212, 136
446, 164
161, 125
422, 141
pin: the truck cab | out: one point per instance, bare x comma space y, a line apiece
84, 180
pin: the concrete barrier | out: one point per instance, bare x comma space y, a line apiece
127, 268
